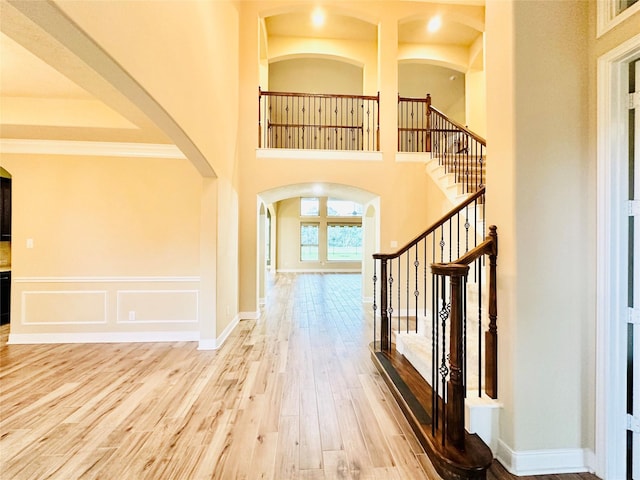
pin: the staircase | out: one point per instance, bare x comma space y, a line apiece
435, 339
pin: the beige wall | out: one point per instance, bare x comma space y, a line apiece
447, 93
538, 195
191, 71
315, 75
110, 236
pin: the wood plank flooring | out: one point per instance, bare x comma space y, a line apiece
292, 395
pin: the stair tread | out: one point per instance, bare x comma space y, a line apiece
448, 461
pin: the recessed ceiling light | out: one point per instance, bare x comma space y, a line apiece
317, 17
434, 24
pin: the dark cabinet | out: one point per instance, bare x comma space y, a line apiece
5, 209
5, 297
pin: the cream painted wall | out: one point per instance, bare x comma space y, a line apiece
191, 69
447, 94
288, 239
476, 102
537, 127
359, 53
110, 236
315, 75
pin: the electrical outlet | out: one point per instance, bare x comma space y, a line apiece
132, 315
29, 242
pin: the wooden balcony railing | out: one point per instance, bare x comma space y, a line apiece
414, 124
318, 121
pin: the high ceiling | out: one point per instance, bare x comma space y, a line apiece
461, 26
48, 93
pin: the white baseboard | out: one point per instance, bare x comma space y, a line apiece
216, 343
104, 337
544, 462
249, 315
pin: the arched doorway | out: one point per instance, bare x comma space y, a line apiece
274, 216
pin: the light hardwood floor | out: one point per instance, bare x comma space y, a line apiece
293, 395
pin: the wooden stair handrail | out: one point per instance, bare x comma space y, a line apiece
473, 135
432, 228
266, 93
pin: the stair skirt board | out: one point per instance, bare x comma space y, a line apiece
449, 462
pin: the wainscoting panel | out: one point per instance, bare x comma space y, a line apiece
64, 307
157, 306
104, 309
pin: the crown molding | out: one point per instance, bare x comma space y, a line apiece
100, 149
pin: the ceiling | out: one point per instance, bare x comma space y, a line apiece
48, 93
461, 25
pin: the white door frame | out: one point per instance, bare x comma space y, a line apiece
612, 266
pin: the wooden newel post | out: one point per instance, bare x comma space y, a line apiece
384, 318
491, 336
259, 118
455, 386
428, 149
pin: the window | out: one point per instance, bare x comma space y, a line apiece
614, 12
622, 5
344, 242
343, 208
309, 242
309, 207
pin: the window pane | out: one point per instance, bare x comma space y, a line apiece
622, 5
344, 242
309, 241
343, 208
308, 252
309, 207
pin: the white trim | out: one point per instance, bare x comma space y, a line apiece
102, 337
541, 462
298, 154
611, 267
368, 300
104, 279
249, 315
607, 19
319, 270
100, 149
216, 343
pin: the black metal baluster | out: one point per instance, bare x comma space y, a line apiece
375, 307
435, 295
416, 292
444, 370
399, 294
478, 267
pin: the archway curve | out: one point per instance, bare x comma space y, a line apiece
321, 55
370, 219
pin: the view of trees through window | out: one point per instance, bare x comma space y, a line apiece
344, 242
343, 238
309, 241
309, 207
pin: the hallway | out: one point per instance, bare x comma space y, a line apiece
291, 395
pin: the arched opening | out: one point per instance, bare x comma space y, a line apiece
324, 239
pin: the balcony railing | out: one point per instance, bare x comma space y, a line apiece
414, 124
318, 121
